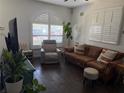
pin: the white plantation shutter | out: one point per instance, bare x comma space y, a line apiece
112, 25
96, 26
56, 29
42, 19
54, 20
106, 24
40, 29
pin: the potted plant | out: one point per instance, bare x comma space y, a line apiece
35, 87
67, 31
13, 68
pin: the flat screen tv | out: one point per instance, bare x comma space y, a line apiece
12, 39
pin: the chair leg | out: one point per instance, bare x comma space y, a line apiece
84, 81
92, 83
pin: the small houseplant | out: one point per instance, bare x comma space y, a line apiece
35, 87
13, 68
67, 31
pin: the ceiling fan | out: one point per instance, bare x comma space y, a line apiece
74, 0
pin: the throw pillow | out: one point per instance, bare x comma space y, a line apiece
79, 49
107, 56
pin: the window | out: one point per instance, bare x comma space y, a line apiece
56, 33
42, 32
47, 27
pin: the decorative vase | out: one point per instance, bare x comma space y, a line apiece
14, 87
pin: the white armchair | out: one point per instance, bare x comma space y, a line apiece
49, 52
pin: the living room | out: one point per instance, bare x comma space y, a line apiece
81, 30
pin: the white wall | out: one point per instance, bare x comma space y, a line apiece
26, 11
84, 21
80, 23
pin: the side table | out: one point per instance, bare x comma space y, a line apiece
90, 74
28, 54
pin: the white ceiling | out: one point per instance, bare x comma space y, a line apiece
69, 3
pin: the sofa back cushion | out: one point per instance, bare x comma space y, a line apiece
49, 45
93, 51
69, 49
119, 56
49, 48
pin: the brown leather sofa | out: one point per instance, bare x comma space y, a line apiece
89, 59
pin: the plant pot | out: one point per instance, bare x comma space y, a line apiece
14, 87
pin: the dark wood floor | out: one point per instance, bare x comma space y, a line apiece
67, 78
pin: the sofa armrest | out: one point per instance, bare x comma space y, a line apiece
42, 50
119, 61
110, 65
29, 66
58, 50
109, 71
113, 63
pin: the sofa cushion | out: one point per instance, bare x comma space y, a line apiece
97, 65
51, 56
85, 59
80, 57
94, 51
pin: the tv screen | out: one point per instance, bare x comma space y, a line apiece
12, 39
13, 28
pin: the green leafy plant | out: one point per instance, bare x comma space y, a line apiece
67, 31
35, 87
13, 65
